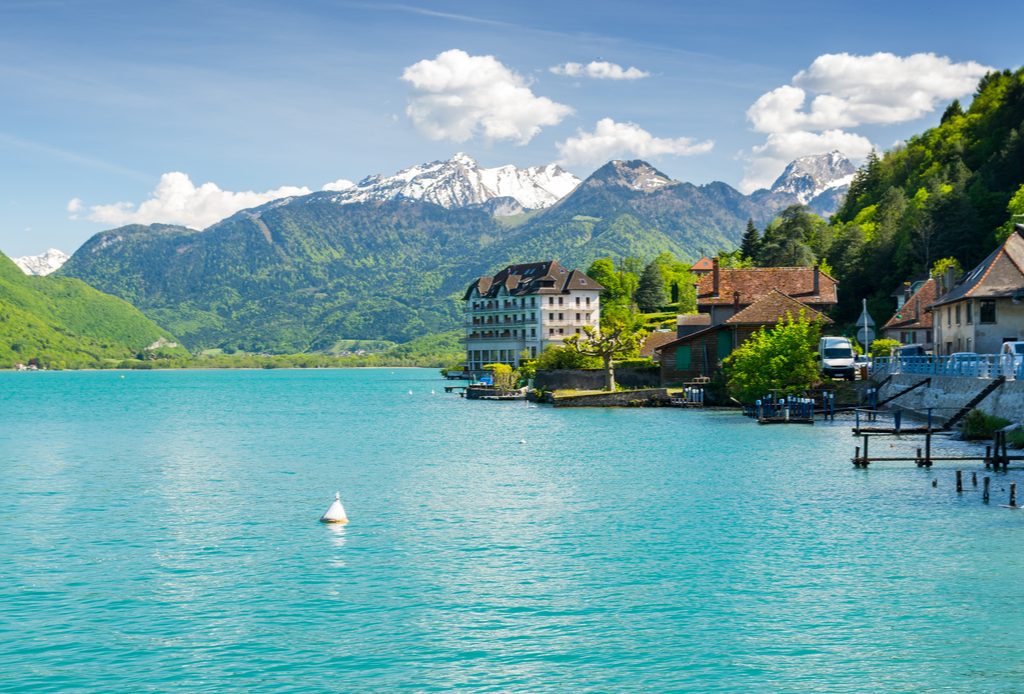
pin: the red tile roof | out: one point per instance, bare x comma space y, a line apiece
703, 265
916, 311
754, 282
654, 341
771, 307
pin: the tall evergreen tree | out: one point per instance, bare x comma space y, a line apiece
750, 246
650, 294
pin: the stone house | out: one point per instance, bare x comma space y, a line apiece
986, 308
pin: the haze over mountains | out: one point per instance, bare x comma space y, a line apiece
385, 259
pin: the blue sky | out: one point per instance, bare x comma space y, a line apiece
101, 98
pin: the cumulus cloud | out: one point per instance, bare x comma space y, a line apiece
176, 200
841, 91
457, 96
599, 70
74, 207
340, 184
611, 140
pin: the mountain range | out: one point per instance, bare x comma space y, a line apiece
386, 258
46, 262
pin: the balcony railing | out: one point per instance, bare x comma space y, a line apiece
978, 366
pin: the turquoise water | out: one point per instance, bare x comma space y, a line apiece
158, 532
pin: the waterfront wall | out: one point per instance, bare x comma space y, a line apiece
649, 397
947, 394
593, 379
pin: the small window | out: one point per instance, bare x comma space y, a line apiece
577, 316
561, 316
577, 331
588, 301
551, 301
559, 301
551, 316
533, 332
987, 311
552, 331
949, 316
577, 301
970, 318
958, 314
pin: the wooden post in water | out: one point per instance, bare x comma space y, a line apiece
919, 461
1013, 494
866, 459
984, 493
974, 479
928, 448
959, 482
1006, 453
988, 457
856, 457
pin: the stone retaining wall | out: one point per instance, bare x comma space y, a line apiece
593, 379
947, 394
648, 397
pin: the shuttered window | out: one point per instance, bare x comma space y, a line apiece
724, 344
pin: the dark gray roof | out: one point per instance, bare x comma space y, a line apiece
532, 278
1001, 274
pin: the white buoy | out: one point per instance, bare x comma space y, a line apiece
335, 512
522, 440
410, 392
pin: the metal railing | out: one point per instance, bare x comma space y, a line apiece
980, 366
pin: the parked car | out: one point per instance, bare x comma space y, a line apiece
911, 351
836, 357
1013, 352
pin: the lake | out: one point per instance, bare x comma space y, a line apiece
158, 532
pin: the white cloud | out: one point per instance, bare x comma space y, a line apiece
611, 140
842, 91
600, 70
74, 207
340, 184
176, 200
457, 96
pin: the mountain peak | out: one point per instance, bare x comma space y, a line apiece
808, 177
46, 262
633, 174
461, 182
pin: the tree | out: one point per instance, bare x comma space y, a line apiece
603, 272
650, 294
620, 340
503, 374
785, 242
554, 358
750, 246
782, 359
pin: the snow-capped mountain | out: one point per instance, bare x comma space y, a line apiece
42, 264
461, 181
633, 174
808, 177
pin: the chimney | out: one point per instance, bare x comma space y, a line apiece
714, 276
950, 278
817, 280
917, 310
736, 301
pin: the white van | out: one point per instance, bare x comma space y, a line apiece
836, 357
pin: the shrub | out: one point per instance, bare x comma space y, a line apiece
978, 425
883, 347
782, 359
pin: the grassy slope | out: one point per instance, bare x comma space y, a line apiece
64, 322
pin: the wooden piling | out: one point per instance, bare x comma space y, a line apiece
959, 482
984, 493
1013, 493
920, 460
974, 479
988, 457
928, 448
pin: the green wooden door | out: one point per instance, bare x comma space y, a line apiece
683, 358
724, 343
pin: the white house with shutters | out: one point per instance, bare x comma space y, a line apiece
523, 309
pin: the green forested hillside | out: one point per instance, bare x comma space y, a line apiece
62, 322
949, 191
299, 275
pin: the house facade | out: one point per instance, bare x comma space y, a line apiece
913, 321
523, 309
699, 354
986, 308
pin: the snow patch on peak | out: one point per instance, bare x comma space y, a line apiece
808, 177
461, 181
46, 262
635, 174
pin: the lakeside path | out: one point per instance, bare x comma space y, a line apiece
160, 532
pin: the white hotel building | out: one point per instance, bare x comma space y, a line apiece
523, 309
